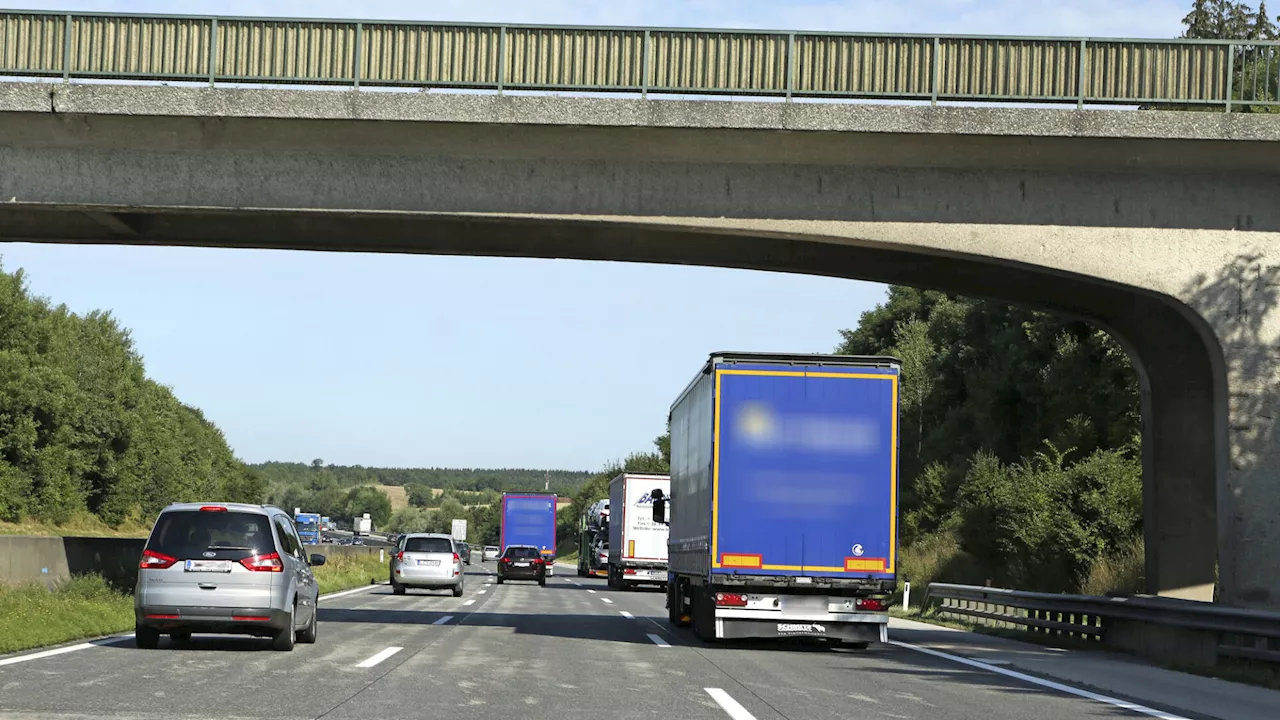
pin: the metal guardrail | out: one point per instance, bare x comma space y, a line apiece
1250, 634
640, 60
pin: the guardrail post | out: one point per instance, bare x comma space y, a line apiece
1231, 74
213, 50
502, 56
935, 62
356, 56
66, 50
1080, 77
791, 64
644, 67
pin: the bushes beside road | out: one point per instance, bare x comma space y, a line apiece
343, 572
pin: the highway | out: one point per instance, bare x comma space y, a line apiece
572, 649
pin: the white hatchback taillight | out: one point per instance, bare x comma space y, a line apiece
269, 562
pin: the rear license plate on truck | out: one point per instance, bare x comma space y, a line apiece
222, 566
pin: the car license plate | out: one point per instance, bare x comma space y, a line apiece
522, 564
428, 563
222, 566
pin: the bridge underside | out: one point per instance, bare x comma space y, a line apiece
1177, 370
1154, 227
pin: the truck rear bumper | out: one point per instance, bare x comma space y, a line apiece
848, 627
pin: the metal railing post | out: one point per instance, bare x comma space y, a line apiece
213, 50
356, 56
935, 62
791, 64
1080, 77
644, 67
502, 56
66, 50
1231, 73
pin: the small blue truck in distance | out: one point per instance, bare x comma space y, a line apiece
529, 519
783, 501
308, 525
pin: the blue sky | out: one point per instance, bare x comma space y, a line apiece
441, 361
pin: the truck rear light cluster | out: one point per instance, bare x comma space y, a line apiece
629, 571
269, 562
872, 604
152, 560
731, 600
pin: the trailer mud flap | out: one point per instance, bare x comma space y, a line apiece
737, 628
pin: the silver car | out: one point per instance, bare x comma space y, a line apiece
427, 560
225, 568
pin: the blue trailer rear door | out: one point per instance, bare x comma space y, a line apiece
805, 471
529, 520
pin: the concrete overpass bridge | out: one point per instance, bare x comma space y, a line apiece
1162, 227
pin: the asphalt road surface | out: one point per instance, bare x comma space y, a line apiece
572, 649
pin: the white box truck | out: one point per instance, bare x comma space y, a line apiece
637, 545
459, 528
362, 525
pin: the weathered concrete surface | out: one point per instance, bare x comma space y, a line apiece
1169, 243
51, 560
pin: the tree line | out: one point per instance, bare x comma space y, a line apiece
83, 429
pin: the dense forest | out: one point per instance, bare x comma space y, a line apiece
82, 428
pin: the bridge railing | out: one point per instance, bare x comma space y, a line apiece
640, 60
1164, 628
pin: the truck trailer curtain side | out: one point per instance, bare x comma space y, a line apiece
784, 496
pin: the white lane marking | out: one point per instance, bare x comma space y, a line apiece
67, 649
344, 593
729, 705
374, 660
469, 602
1105, 699
443, 620
115, 639
577, 583
657, 640
591, 591
607, 600
627, 615
482, 592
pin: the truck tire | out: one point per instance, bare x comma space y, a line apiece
678, 597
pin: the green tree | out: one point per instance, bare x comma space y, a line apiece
370, 500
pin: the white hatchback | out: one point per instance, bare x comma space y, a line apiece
428, 561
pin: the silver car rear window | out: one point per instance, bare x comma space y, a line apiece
186, 534
428, 545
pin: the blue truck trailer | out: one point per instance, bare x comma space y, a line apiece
529, 519
783, 500
308, 525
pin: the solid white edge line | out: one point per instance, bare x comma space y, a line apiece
627, 615
607, 600
353, 591
657, 640
375, 659
729, 705
113, 639
1096, 697
443, 620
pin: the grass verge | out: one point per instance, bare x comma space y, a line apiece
1231, 669
82, 524
343, 572
85, 606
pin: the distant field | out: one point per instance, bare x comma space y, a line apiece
398, 496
